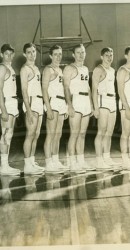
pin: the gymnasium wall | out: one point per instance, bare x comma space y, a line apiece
109, 22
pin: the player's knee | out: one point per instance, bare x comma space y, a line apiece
74, 135
75, 132
37, 135
58, 134
30, 134
8, 135
125, 131
82, 134
109, 133
2, 139
125, 134
102, 131
50, 135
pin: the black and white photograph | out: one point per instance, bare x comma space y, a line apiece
64, 125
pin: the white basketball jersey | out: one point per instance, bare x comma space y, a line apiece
34, 82
106, 86
9, 88
56, 85
127, 86
80, 82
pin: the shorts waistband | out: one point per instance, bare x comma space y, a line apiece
83, 93
110, 95
39, 96
60, 97
8, 97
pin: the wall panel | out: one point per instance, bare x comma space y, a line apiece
109, 22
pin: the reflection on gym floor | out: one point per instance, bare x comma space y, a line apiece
65, 209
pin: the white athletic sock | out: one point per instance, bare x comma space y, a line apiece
55, 158
32, 158
125, 156
48, 160
67, 159
72, 160
4, 159
106, 155
99, 160
80, 159
27, 161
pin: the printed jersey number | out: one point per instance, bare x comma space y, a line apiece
60, 78
38, 78
13, 77
83, 77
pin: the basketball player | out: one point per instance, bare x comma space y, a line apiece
8, 107
104, 100
78, 96
32, 106
56, 108
123, 83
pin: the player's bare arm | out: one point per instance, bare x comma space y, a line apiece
121, 78
4, 114
24, 87
46, 78
96, 78
91, 101
68, 74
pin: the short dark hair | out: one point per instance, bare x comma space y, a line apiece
53, 48
28, 45
5, 47
77, 46
107, 49
127, 50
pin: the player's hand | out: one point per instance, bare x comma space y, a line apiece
71, 111
96, 113
65, 116
50, 114
127, 114
92, 112
5, 116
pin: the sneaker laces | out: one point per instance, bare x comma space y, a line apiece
35, 164
12, 169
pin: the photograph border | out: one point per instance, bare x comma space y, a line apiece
68, 247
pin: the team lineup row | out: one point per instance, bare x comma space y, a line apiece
66, 94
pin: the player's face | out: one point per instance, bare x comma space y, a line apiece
30, 54
128, 56
8, 56
79, 54
56, 56
107, 57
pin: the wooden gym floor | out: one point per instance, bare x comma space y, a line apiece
64, 209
